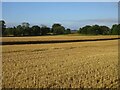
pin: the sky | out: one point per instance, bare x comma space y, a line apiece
71, 15
60, 0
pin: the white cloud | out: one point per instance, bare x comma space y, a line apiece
109, 20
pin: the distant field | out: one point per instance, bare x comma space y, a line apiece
52, 38
63, 65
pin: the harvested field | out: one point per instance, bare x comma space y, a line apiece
64, 65
54, 38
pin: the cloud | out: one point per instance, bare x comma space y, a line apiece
109, 20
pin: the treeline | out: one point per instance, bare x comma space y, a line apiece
25, 30
100, 30
57, 29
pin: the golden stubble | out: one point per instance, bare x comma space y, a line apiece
61, 65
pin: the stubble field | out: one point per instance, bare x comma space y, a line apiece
62, 65
54, 38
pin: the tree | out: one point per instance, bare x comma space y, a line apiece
35, 30
26, 28
19, 31
67, 31
45, 30
25, 25
118, 29
85, 30
54, 26
96, 30
9, 31
104, 30
3, 27
92, 30
115, 30
58, 29
79, 31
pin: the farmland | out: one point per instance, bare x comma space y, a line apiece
53, 38
60, 65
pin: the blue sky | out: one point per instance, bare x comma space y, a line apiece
70, 14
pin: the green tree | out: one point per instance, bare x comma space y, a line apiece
104, 30
9, 31
26, 28
67, 31
54, 26
25, 25
118, 29
2, 27
45, 30
115, 30
35, 30
58, 29
19, 31
96, 30
91, 31
84, 30
79, 31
